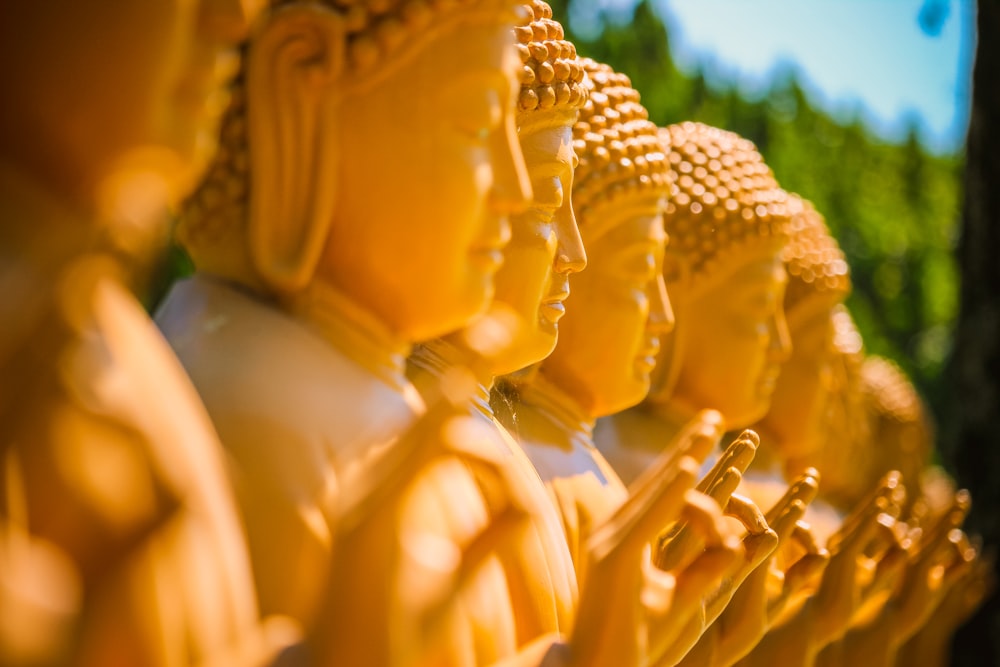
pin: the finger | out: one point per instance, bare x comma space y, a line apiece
703, 526
723, 489
737, 455
705, 518
747, 512
805, 571
803, 489
686, 540
883, 497
702, 575
952, 519
804, 537
785, 524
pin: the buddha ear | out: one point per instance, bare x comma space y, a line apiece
292, 62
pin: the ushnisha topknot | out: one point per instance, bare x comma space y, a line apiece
815, 263
722, 195
551, 76
617, 145
891, 394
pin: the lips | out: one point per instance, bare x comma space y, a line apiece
769, 379
552, 308
646, 359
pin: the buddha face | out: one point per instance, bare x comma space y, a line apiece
609, 339
798, 415
431, 169
735, 340
100, 82
545, 246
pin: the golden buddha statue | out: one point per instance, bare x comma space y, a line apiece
312, 285
728, 222
819, 418
120, 542
602, 363
802, 412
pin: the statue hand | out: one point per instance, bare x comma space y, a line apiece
786, 520
609, 627
750, 612
677, 544
840, 593
675, 627
943, 558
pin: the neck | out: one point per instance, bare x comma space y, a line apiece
448, 366
353, 330
559, 408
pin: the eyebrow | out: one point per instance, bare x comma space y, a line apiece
554, 167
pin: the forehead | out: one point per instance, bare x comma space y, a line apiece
640, 230
760, 272
548, 145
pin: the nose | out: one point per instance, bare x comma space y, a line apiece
780, 347
571, 256
228, 20
661, 313
511, 185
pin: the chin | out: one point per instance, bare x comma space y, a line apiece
628, 394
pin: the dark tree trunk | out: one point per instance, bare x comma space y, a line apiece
975, 451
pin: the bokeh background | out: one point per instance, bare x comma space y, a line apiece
886, 115
859, 106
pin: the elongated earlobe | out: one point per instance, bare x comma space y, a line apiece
293, 63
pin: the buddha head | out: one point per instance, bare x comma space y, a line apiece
371, 149
902, 435
114, 105
845, 448
545, 245
728, 223
618, 309
818, 280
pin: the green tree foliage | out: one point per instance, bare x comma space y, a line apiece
893, 207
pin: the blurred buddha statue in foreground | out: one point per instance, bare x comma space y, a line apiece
358, 204
119, 537
727, 220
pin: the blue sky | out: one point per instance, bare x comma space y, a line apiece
866, 55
